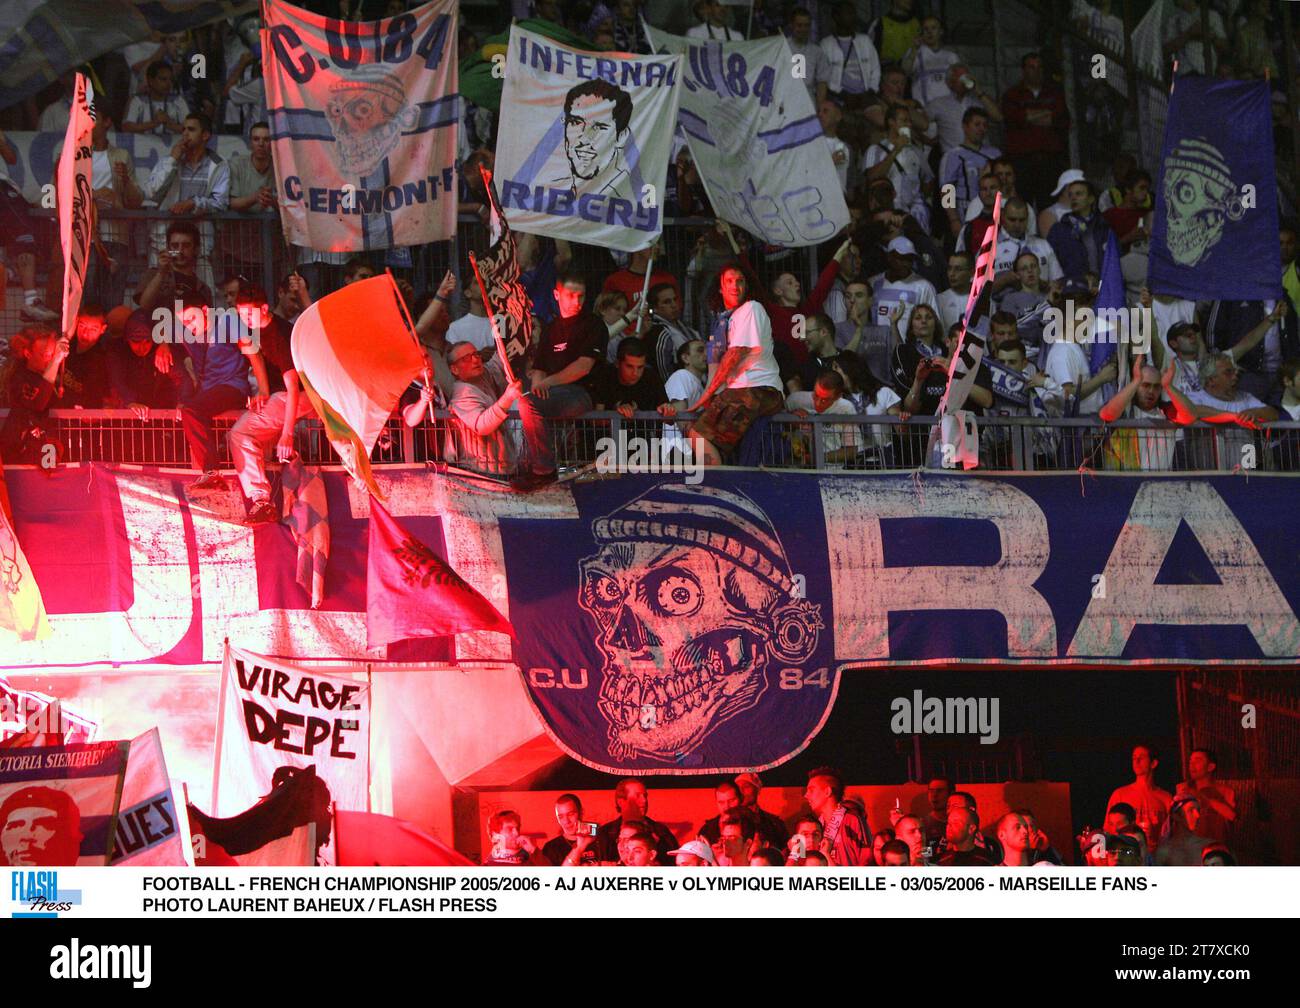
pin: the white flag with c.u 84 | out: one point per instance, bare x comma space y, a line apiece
756, 139
364, 118
582, 152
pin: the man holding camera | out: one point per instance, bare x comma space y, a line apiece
576, 844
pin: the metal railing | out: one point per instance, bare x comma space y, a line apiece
784, 441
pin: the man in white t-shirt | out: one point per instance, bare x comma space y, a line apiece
1220, 398
686, 385
1013, 240
952, 302
744, 382
946, 110
904, 163
840, 442
474, 327
1150, 395
1068, 362
714, 14
830, 114
927, 62
1183, 37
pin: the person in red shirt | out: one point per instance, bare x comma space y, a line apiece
1126, 219
630, 281
1037, 129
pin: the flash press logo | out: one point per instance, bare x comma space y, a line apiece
1082, 324
75, 961
922, 715
39, 894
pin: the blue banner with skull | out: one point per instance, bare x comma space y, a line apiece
364, 119
703, 636
1215, 231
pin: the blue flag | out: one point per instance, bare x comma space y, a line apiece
1110, 296
1213, 237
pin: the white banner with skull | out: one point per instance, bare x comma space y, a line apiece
363, 120
582, 152
756, 139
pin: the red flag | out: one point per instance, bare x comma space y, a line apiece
411, 592
368, 839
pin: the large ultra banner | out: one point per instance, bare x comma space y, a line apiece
756, 139
948, 568
1215, 229
681, 628
274, 715
582, 151
363, 121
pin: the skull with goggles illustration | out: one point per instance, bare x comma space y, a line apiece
367, 113
1199, 198
691, 593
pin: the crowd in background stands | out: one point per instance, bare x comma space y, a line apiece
1143, 825
903, 118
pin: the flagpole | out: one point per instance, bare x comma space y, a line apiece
496, 331
221, 723
643, 308
410, 326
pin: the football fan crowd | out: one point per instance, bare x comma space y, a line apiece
1143, 825
729, 334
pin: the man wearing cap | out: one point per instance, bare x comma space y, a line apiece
744, 381
39, 827
771, 828
1037, 126
900, 285
1079, 238
694, 854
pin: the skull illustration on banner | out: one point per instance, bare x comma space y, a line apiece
367, 114
694, 603
1200, 196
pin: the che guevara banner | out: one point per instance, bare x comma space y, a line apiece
1216, 219
59, 804
582, 151
275, 714
363, 121
756, 139
76, 199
